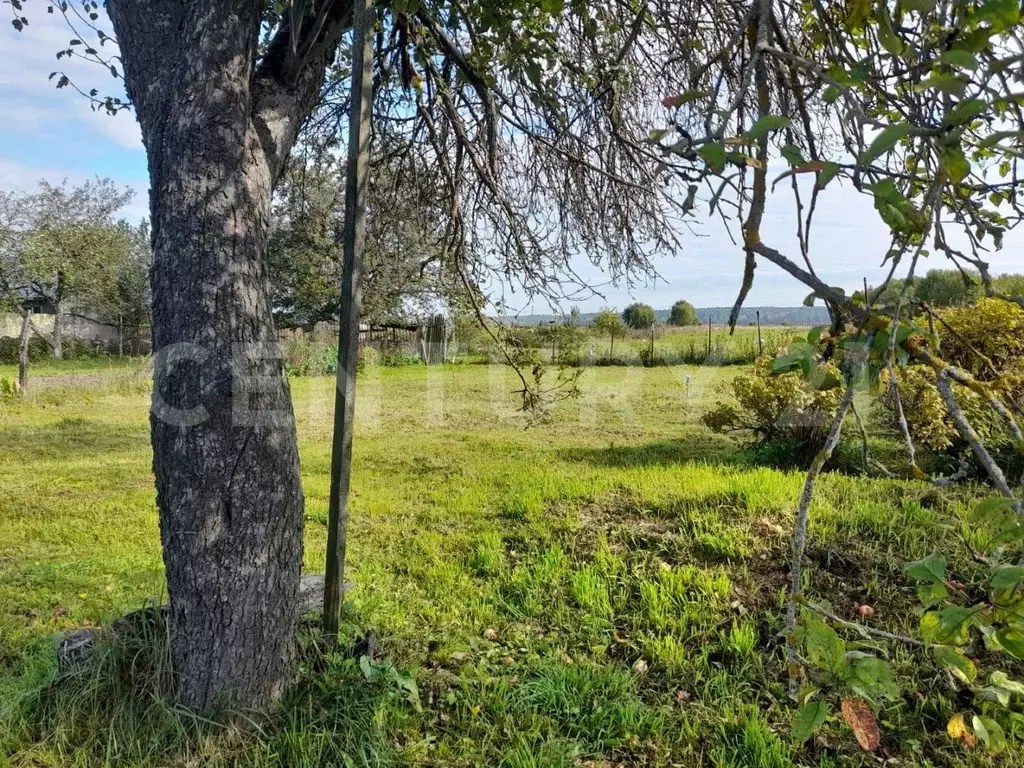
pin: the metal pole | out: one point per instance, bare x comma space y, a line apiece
354, 240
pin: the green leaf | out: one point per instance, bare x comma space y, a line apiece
766, 124
998, 136
959, 59
814, 335
953, 623
1007, 576
825, 649
793, 155
955, 163
989, 732
921, 6
714, 155
964, 111
1002, 13
993, 693
808, 718
870, 677
946, 627
933, 593
931, 568
992, 508
885, 141
826, 174
886, 35
1002, 680
956, 662
1011, 641
944, 82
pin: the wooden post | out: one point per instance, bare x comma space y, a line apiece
760, 345
120, 335
709, 337
354, 241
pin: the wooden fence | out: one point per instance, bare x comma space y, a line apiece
428, 341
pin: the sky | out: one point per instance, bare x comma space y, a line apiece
54, 135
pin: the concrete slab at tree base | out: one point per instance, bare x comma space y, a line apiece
75, 647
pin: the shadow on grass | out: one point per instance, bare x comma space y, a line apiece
116, 708
697, 448
78, 437
717, 449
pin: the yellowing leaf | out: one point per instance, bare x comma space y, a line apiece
958, 730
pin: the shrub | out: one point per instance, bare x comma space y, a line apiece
987, 341
651, 360
369, 357
401, 359
780, 409
992, 327
10, 350
931, 425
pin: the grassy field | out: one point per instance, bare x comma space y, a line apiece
516, 574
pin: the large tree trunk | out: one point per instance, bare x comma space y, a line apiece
26, 327
217, 133
58, 330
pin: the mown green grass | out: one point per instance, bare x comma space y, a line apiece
619, 530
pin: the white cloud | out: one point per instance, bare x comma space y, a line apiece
25, 178
30, 100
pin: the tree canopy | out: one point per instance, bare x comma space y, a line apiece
638, 315
683, 313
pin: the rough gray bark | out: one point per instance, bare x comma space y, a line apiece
26, 327
217, 130
58, 326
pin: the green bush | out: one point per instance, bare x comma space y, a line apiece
303, 357
39, 349
651, 360
10, 350
782, 411
683, 313
401, 359
638, 316
369, 357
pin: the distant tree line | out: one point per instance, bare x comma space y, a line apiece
944, 288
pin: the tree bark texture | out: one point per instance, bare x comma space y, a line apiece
58, 327
26, 327
218, 128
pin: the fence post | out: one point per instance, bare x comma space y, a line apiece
120, 335
709, 337
760, 345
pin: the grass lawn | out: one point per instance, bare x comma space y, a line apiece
517, 574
